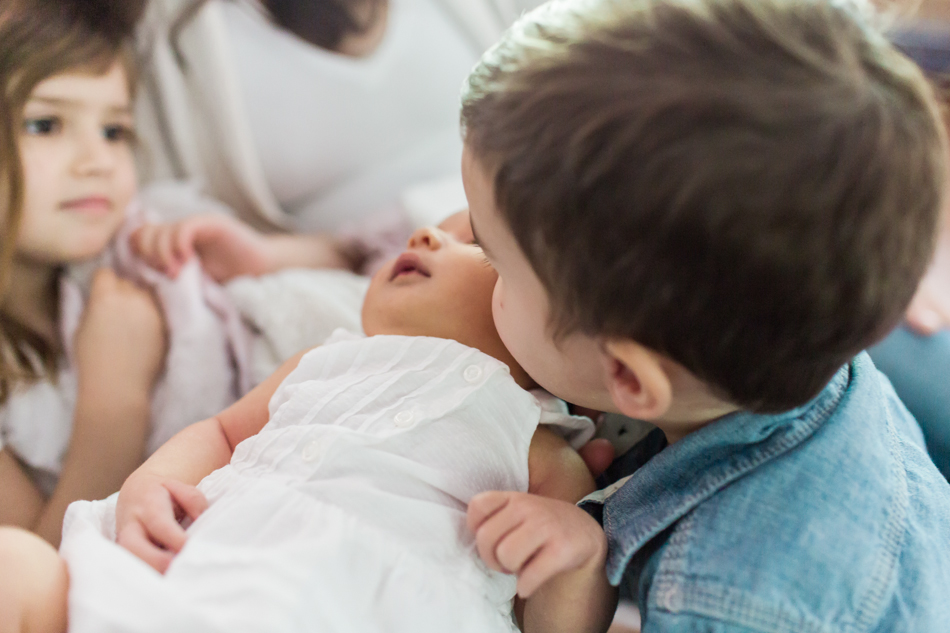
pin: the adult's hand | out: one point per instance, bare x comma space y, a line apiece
929, 312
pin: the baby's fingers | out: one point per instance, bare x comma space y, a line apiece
133, 538
143, 243
165, 250
191, 500
186, 234
518, 546
162, 527
488, 512
547, 562
484, 505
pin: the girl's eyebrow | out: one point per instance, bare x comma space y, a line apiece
58, 101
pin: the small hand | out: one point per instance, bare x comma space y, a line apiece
148, 518
534, 537
226, 247
122, 333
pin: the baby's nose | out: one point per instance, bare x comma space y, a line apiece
425, 237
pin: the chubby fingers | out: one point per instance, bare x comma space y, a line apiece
496, 522
160, 247
134, 538
189, 498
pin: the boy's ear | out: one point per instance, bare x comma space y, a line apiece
638, 384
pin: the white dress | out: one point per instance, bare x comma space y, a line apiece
345, 513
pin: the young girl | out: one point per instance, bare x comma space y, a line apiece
67, 175
333, 497
86, 391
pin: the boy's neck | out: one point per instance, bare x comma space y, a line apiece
694, 404
676, 427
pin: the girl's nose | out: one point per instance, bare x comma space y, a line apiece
94, 156
425, 237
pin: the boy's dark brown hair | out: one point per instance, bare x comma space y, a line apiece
40, 39
749, 187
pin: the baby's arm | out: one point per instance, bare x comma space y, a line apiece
162, 491
229, 248
556, 549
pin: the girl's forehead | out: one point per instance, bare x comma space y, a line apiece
78, 88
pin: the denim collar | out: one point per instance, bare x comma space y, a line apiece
687, 473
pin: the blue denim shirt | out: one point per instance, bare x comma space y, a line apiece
827, 518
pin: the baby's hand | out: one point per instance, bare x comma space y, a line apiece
149, 514
226, 247
534, 537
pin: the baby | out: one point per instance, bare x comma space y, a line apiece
333, 496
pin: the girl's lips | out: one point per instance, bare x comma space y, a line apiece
88, 204
408, 263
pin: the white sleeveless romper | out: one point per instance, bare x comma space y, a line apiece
345, 514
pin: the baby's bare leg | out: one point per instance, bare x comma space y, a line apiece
33, 584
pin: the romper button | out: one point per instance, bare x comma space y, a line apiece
311, 451
472, 373
403, 419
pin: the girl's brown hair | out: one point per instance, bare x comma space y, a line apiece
40, 39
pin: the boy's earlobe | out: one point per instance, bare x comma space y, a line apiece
638, 384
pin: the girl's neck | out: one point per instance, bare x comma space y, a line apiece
32, 299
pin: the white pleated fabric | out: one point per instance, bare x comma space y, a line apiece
346, 513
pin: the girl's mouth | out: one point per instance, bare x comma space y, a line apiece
408, 264
89, 204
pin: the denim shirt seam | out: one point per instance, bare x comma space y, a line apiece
674, 590
892, 538
682, 594
807, 424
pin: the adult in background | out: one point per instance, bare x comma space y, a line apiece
311, 115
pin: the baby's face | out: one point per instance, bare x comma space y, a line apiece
79, 174
441, 286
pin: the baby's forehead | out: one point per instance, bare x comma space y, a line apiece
459, 226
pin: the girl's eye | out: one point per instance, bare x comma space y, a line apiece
118, 133
42, 126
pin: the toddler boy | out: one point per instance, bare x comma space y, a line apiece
701, 212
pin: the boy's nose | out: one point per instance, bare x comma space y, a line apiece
425, 237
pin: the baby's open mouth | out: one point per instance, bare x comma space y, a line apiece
408, 264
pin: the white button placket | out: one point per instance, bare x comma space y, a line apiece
310, 452
472, 373
404, 419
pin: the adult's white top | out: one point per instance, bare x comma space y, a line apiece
198, 123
